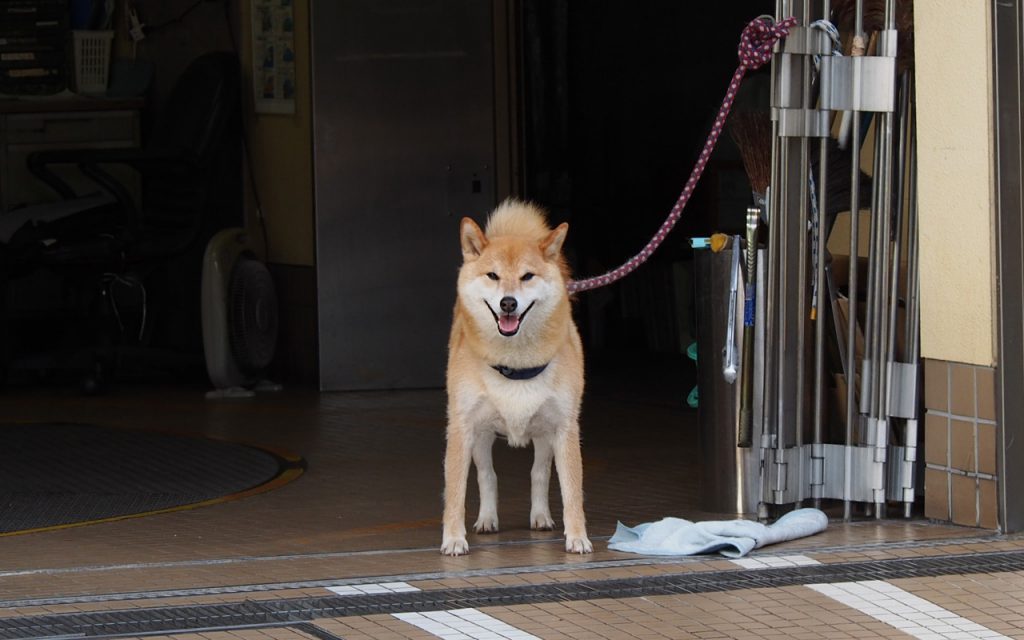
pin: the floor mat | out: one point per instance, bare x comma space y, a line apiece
54, 475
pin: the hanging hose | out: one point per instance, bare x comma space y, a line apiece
756, 45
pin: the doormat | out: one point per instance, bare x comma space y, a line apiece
62, 475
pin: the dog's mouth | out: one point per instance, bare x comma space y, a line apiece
509, 323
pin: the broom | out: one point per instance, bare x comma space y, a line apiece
752, 132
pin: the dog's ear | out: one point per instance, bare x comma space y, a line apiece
551, 246
473, 240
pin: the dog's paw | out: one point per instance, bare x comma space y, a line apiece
541, 521
486, 524
454, 546
578, 545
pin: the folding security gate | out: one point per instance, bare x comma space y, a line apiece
835, 363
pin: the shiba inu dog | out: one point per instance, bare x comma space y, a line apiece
515, 369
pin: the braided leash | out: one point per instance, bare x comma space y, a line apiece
755, 49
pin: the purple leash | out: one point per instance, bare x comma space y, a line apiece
755, 49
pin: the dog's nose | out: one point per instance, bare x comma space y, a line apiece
508, 304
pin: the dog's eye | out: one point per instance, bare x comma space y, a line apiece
492, 275
527, 276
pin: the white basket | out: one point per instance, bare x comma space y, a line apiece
92, 60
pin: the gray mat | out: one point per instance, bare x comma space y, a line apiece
60, 474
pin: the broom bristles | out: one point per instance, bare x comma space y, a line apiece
752, 133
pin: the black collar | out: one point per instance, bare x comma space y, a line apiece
519, 374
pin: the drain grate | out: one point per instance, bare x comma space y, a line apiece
297, 612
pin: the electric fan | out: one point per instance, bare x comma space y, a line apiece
239, 309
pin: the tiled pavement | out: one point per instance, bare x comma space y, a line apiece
366, 512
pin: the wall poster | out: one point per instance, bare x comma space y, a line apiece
273, 55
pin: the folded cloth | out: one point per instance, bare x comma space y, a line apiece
731, 538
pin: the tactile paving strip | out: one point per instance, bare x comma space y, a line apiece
290, 612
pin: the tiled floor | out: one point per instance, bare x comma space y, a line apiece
367, 512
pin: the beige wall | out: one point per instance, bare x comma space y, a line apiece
955, 149
282, 155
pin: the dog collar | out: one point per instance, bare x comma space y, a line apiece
519, 374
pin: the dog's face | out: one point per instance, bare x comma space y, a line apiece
511, 285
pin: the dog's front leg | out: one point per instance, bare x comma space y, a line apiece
487, 480
456, 475
540, 477
569, 464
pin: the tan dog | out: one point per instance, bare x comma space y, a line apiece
515, 369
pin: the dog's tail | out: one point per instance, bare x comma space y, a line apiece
517, 218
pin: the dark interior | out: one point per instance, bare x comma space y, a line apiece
614, 113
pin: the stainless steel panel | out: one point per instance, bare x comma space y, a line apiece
867, 476
789, 89
900, 475
807, 41
861, 83
810, 123
903, 379
404, 136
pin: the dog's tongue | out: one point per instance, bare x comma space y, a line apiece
508, 324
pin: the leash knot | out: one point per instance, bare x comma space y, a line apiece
759, 38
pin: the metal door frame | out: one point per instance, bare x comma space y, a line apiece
1007, 30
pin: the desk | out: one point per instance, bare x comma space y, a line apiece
28, 125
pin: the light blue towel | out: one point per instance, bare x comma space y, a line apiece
731, 538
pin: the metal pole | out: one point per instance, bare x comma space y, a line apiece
868, 378
898, 220
901, 169
851, 329
819, 326
802, 306
885, 150
912, 324
913, 309
881, 314
769, 406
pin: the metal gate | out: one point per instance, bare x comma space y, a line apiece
837, 370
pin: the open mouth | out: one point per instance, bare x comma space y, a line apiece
509, 323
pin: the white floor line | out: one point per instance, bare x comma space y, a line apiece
381, 587
464, 624
905, 611
775, 561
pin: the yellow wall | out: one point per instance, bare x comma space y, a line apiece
955, 150
282, 155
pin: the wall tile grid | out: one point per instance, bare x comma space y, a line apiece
960, 443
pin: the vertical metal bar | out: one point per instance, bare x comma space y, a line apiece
851, 329
868, 379
803, 224
881, 302
912, 321
899, 219
885, 200
913, 318
779, 219
819, 324
768, 404
903, 133
869, 369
